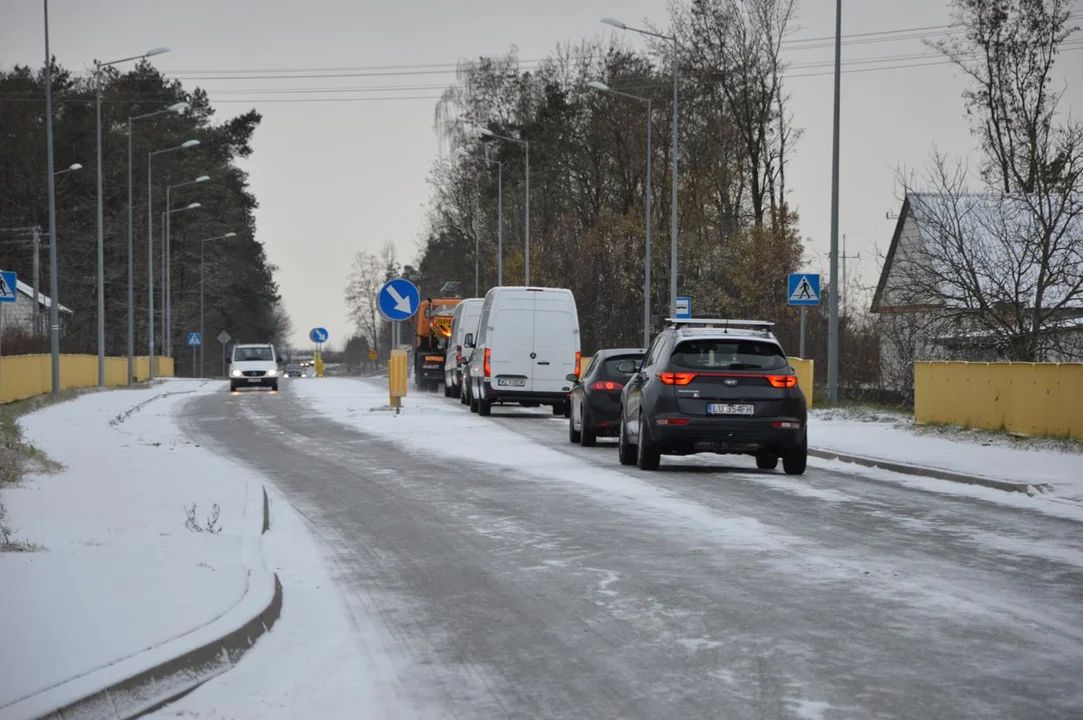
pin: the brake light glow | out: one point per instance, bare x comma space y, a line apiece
607, 385
786, 425
676, 378
578, 362
782, 381
487, 367
673, 421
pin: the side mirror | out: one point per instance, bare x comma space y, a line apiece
468, 341
628, 367
572, 378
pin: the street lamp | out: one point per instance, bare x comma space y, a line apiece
71, 168
177, 108
673, 203
499, 217
602, 87
101, 226
150, 248
54, 304
167, 271
526, 214
166, 226
202, 337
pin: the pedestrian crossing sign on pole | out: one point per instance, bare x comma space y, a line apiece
195, 339
9, 286
804, 289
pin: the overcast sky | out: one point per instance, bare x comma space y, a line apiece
336, 177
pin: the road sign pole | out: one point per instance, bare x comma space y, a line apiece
804, 323
193, 361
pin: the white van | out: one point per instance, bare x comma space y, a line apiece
253, 364
463, 321
526, 345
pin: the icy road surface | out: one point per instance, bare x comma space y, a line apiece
492, 570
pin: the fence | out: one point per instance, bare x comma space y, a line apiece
23, 376
1025, 398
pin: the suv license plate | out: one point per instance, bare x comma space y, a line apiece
729, 409
511, 382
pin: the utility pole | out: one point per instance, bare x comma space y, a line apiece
844, 257
37, 282
833, 300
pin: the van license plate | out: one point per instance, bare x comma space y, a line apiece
511, 382
729, 409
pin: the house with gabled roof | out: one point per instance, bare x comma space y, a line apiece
981, 277
30, 316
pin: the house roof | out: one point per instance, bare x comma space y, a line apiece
989, 222
45, 300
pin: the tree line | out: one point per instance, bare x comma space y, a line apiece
241, 295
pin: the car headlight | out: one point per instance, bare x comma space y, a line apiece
272, 373
236, 373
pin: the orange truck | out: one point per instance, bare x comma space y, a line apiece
432, 325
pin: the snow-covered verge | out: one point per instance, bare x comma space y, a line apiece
142, 538
1053, 467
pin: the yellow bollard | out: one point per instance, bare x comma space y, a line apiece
396, 378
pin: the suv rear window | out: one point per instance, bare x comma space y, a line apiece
726, 354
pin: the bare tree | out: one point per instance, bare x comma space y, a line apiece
367, 275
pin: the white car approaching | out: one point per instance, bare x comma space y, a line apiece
253, 365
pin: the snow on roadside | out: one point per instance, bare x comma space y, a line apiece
895, 438
118, 572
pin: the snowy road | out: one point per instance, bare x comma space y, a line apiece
704, 590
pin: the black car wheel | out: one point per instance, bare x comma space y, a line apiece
485, 408
795, 459
587, 437
647, 454
766, 461
559, 408
626, 452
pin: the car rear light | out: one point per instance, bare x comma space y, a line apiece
458, 358
578, 361
676, 378
786, 425
607, 385
782, 381
672, 421
487, 367
433, 358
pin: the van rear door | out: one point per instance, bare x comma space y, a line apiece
555, 342
511, 341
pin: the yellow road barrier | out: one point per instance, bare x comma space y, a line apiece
396, 377
24, 376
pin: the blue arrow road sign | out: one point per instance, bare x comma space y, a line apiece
398, 299
318, 335
804, 289
9, 286
195, 339
684, 308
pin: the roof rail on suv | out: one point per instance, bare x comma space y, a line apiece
762, 326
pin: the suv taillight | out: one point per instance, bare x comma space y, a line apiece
488, 363
676, 378
607, 385
782, 381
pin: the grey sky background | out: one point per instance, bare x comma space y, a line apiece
336, 177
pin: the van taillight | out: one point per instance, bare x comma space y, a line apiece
782, 381
578, 362
488, 363
676, 378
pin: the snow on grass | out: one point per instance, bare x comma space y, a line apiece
118, 572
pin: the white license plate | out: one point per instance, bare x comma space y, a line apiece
511, 382
255, 379
730, 409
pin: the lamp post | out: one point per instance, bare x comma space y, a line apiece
202, 337
526, 213
150, 248
673, 201
177, 108
101, 227
54, 314
165, 220
600, 86
836, 286
499, 217
71, 168
167, 271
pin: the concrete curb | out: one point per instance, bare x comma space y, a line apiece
171, 674
920, 471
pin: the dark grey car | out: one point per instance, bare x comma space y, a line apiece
721, 386
594, 403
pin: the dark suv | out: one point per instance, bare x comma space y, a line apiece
721, 386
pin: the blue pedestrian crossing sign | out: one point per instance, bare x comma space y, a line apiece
804, 289
195, 339
9, 286
399, 299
